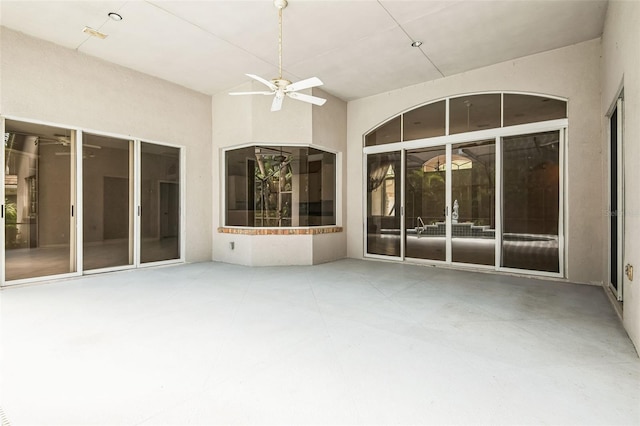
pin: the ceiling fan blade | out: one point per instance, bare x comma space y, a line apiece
307, 98
251, 93
267, 83
304, 84
277, 102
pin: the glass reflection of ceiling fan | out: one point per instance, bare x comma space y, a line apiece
57, 139
61, 140
64, 141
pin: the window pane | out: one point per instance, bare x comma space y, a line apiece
474, 112
38, 224
383, 204
425, 204
520, 109
240, 169
107, 225
317, 199
387, 133
273, 186
473, 195
614, 204
425, 122
160, 202
531, 176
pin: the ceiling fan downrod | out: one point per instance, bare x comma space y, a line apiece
280, 87
280, 4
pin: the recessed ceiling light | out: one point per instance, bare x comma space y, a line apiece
416, 43
115, 16
94, 33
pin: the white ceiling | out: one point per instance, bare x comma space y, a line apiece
358, 48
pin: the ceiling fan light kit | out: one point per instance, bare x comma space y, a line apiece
280, 87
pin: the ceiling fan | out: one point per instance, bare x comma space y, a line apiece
281, 87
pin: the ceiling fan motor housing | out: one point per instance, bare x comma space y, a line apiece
280, 4
281, 82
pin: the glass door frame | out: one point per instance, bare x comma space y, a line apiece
181, 201
447, 142
2, 205
562, 202
133, 202
618, 108
135, 197
74, 205
77, 219
401, 256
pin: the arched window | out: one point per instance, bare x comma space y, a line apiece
473, 180
467, 113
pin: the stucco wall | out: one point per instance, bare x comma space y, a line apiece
572, 72
330, 131
621, 66
45, 82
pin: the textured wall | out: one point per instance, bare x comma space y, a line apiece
621, 67
572, 72
45, 82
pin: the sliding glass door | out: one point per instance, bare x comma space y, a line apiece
77, 202
492, 202
159, 203
383, 204
39, 201
482, 182
450, 202
473, 188
107, 182
531, 202
425, 213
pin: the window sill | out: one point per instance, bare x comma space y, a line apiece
280, 231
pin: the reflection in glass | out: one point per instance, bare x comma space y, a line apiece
317, 203
473, 198
383, 204
521, 109
425, 198
389, 132
240, 167
273, 183
424, 122
474, 112
160, 203
38, 200
531, 177
274, 186
107, 224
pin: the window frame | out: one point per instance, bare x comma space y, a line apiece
498, 134
447, 100
77, 201
223, 184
